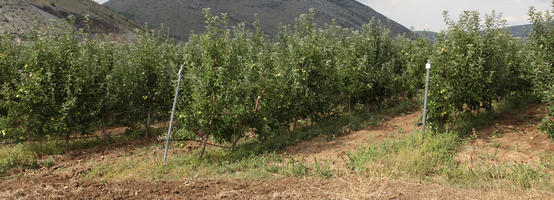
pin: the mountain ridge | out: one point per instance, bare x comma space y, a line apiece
519, 31
185, 16
22, 16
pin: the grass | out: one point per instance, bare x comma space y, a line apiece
323, 169
331, 128
49, 162
266, 166
24, 156
396, 158
248, 154
471, 120
401, 157
16, 156
259, 159
435, 159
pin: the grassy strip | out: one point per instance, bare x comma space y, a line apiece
141, 166
331, 128
252, 159
25, 156
435, 160
16, 156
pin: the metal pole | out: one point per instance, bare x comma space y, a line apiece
172, 114
428, 67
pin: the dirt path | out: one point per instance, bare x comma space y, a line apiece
347, 187
513, 139
335, 150
65, 180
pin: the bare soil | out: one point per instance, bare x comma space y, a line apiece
335, 150
65, 180
348, 187
513, 139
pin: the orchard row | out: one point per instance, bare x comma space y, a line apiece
237, 81
477, 62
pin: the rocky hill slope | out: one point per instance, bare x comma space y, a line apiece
184, 16
21, 16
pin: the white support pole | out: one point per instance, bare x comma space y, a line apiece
172, 113
428, 68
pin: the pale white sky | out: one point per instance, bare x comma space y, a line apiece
101, 1
427, 14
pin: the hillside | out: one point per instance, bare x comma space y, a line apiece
521, 31
20, 16
184, 16
427, 34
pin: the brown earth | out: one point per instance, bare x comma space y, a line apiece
348, 187
335, 150
65, 180
513, 139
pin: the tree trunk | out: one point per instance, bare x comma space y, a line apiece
147, 125
67, 140
441, 124
294, 126
476, 119
104, 133
349, 105
29, 135
204, 146
488, 106
235, 144
456, 119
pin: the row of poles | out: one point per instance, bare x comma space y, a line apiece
427, 67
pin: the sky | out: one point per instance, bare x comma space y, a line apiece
101, 1
427, 14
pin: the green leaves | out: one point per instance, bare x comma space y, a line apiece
473, 66
236, 81
239, 82
66, 81
540, 58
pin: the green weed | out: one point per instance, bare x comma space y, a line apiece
16, 156
49, 162
322, 169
